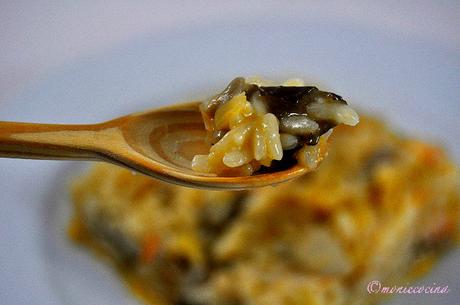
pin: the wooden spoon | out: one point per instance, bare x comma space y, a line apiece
160, 143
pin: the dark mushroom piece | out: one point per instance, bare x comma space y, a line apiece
249, 126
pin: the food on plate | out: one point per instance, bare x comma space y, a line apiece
251, 126
381, 207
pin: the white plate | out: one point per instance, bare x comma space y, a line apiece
412, 80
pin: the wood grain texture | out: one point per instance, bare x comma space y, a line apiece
159, 143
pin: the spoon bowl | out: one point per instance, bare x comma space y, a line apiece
160, 143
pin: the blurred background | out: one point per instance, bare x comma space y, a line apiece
38, 36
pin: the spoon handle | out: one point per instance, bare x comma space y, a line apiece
50, 141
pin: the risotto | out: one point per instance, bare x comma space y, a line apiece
250, 126
381, 207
